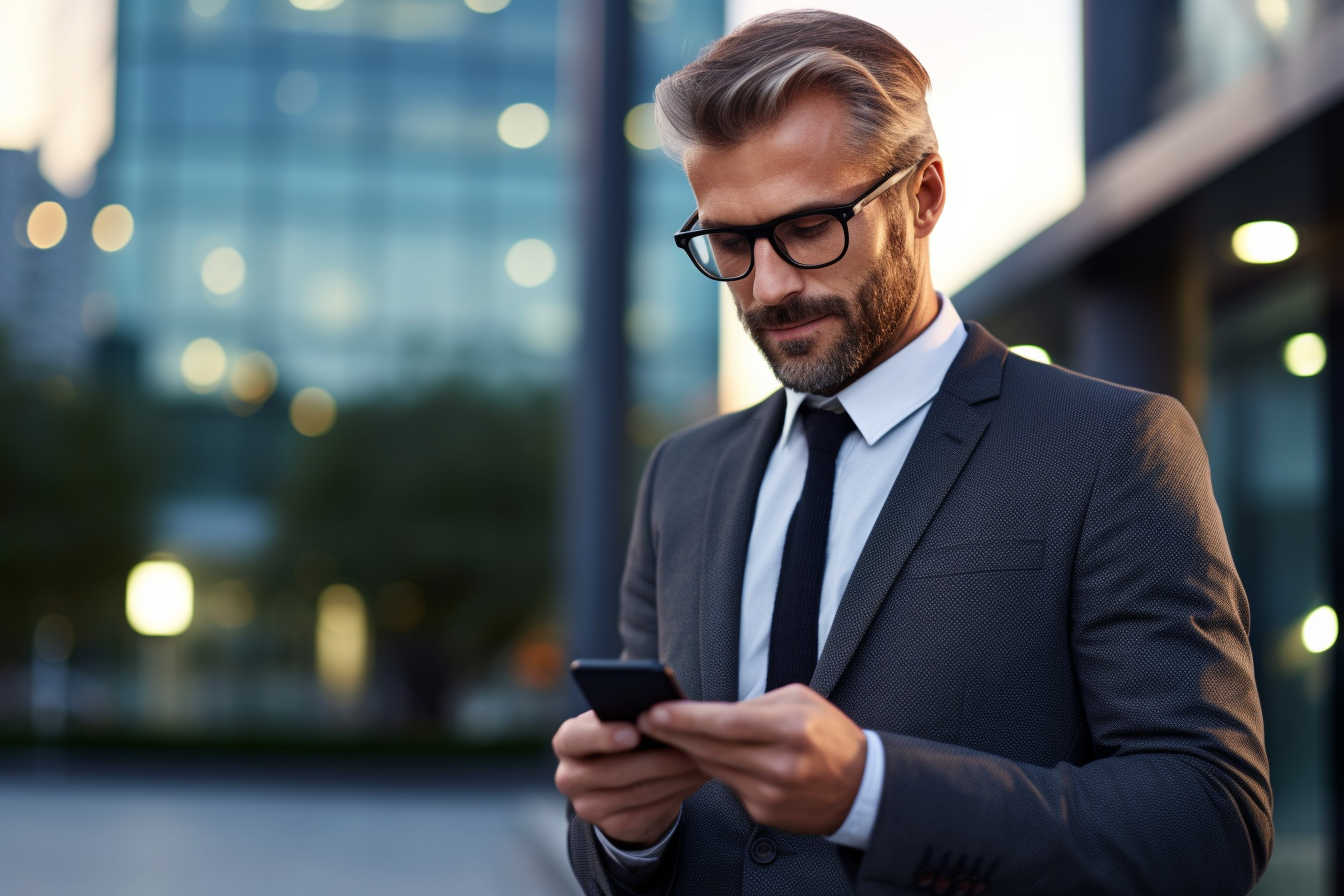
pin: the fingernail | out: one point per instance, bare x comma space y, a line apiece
625, 737
660, 715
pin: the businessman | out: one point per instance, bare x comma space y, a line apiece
950, 620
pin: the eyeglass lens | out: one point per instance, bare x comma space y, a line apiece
809, 240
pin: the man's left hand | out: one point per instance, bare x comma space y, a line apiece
793, 758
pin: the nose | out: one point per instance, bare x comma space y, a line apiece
772, 278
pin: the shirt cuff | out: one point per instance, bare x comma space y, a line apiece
638, 859
858, 827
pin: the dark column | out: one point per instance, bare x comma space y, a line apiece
1127, 55
599, 68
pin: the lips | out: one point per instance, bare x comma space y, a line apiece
796, 330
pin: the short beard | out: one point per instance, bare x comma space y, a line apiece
871, 322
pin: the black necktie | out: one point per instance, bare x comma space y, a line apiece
793, 630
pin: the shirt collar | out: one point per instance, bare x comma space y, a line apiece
894, 389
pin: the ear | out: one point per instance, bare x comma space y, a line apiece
929, 195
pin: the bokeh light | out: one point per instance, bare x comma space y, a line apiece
1274, 14
312, 411
113, 228
1320, 629
486, 6
223, 270
159, 598
342, 641
253, 378
296, 92
523, 125
1264, 242
46, 225
530, 262
641, 131
54, 638
1031, 353
1304, 354
203, 364
316, 5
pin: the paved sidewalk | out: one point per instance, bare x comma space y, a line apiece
132, 838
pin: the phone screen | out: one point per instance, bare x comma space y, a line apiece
619, 690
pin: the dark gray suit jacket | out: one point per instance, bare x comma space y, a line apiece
1044, 626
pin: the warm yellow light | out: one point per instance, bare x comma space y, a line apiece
1273, 14
46, 225
530, 262
1264, 242
159, 598
523, 125
1304, 354
316, 5
253, 378
203, 364
342, 641
113, 228
486, 6
1320, 629
313, 411
1031, 353
640, 128
223, 270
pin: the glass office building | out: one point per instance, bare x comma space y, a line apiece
328, 373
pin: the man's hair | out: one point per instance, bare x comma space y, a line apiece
744, 82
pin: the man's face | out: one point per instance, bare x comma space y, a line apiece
819, 329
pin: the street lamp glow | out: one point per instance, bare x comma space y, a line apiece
159, 598
113, 228
523, 125
1264, 242
46, 225
1304, 354
1320, 629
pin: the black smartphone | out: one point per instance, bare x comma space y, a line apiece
619, 690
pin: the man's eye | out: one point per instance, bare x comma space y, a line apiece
811, 228
729, 242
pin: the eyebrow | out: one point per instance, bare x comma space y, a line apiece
708, 223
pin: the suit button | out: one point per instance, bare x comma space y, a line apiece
924, 878
763, 851
943, 884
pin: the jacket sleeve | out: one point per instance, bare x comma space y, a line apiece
639, 635
1177, 798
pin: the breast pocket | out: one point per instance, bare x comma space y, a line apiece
978, 556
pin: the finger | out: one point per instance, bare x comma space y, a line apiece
586, 735
606, 772
751, 721
603, 804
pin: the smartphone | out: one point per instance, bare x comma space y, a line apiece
619, 690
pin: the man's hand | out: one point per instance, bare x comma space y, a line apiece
633, 797
792, 757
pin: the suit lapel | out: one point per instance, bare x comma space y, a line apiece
727, 531
945, 442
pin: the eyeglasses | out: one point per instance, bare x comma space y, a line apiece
808, 239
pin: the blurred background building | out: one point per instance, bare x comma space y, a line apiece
297, 341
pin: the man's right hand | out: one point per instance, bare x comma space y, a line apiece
633, 797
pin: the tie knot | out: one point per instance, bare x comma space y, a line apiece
826, 430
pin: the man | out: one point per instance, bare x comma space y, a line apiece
951, 621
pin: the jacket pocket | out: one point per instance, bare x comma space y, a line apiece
983, 555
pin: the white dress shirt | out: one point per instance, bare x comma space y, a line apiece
888, 406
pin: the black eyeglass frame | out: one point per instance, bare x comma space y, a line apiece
766, 231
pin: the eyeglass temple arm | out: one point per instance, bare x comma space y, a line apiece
883, 187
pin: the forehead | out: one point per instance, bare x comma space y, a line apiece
802, 161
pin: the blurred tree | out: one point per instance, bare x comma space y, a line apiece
441, 512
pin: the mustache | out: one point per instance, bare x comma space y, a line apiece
793, 312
